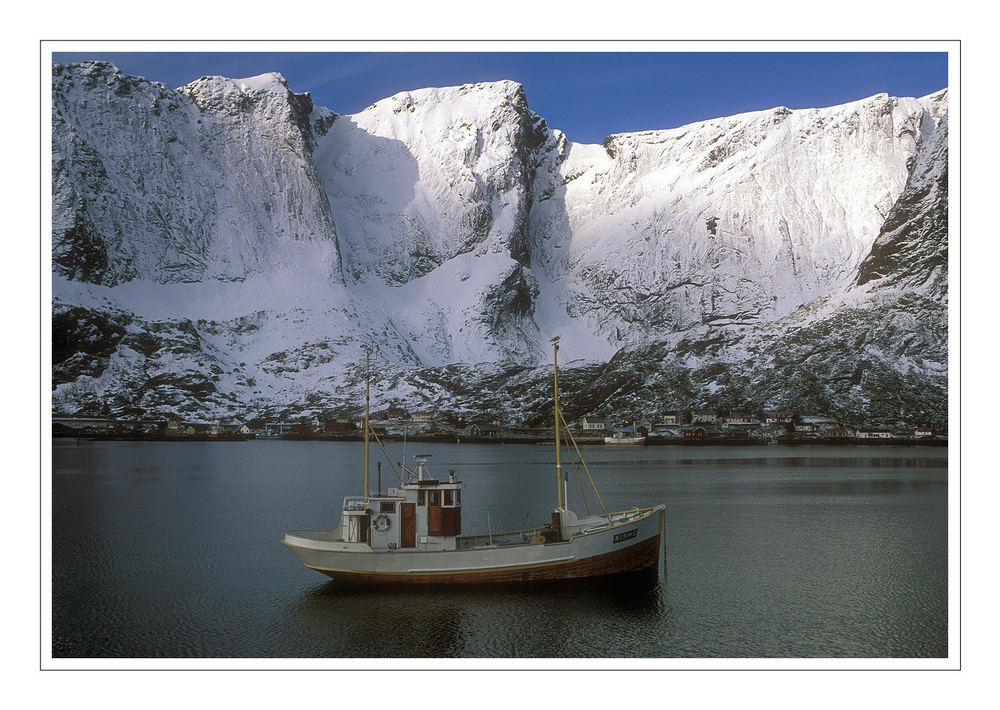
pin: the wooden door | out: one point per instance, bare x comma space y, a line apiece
435, 520
408, 525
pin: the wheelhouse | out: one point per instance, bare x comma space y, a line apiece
421, 514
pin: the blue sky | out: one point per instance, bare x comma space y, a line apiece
587, 95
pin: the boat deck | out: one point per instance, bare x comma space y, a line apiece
509, 538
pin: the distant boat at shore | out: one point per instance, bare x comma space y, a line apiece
626, 436
623, 440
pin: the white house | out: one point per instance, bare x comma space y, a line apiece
739, 417
704, 417
592, 424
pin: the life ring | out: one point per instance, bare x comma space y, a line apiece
381, 523
539, 539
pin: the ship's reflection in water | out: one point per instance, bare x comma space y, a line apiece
511, 621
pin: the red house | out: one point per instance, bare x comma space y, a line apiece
339, 427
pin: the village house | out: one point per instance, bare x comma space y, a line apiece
394, 412
739, 417
778, 417
422, 417
700, 433
704, 417
486, 431
833, 430
671, 419
339, 427
923, 431
592, 424
231, 428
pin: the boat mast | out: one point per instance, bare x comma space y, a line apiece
555, 382
367, 401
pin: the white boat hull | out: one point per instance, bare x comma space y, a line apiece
629, 545
625, 440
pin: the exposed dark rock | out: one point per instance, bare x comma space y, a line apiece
83, 341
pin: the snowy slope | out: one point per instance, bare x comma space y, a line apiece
734, 220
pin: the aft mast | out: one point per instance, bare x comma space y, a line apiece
555, 383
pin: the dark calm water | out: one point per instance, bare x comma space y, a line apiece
173, 550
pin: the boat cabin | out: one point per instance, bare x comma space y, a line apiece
422, 514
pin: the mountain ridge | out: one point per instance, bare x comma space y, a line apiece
451, 225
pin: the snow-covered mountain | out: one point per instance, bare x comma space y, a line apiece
228, 248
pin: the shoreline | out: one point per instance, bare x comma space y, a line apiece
538, 441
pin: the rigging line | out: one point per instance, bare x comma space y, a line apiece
385, 453
576, 470
585, 468
579, 481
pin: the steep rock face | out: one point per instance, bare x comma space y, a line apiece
424, 176
214, 181
911, 250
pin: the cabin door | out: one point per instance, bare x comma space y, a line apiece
408, 525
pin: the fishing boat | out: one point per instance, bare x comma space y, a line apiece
412, 534
625, 436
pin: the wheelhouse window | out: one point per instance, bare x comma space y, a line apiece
435, 498
449, 498
387, 506
421, 500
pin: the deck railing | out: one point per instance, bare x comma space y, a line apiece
318, 535
532, 535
